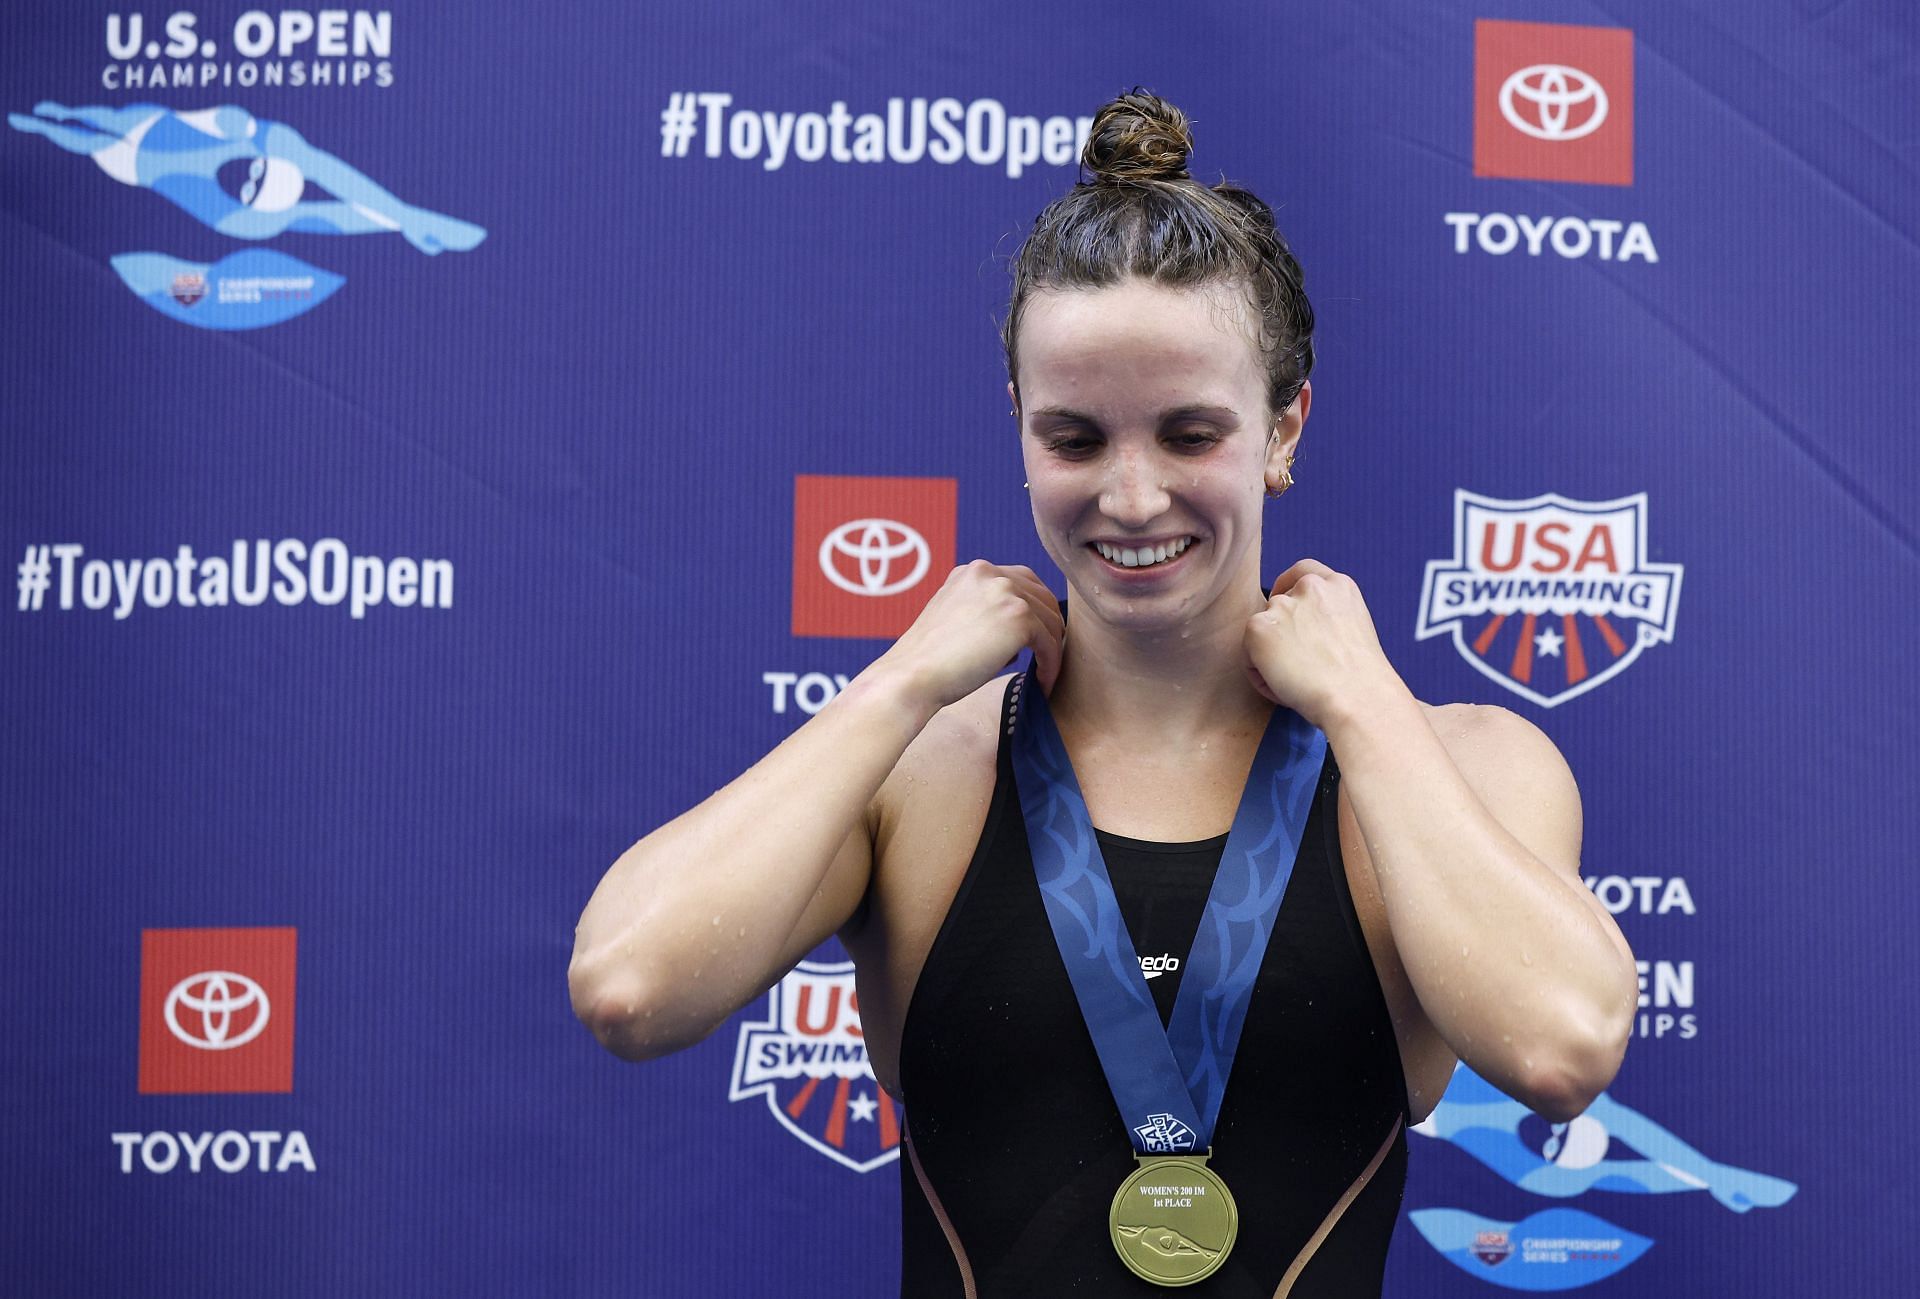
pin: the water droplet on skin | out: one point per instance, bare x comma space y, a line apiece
1463, 950
1526, 958
743, 931
716, 920
1506, 1037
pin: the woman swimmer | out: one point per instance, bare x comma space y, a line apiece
1158, 346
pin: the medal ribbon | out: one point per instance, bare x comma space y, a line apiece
1168, 1081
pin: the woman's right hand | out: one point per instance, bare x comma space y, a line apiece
976, 623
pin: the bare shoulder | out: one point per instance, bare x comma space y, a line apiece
1515, 769
1485, 740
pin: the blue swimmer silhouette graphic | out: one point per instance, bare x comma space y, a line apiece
1572, 1159
239, 174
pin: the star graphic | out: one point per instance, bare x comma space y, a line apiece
1549, 642
863, 1107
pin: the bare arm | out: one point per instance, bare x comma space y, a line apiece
707, 911
1474, 842
710, 909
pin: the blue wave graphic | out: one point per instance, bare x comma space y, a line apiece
244, 290
1555, 1249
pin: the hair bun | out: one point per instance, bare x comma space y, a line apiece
1138, 137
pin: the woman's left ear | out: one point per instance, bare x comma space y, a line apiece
1284, 445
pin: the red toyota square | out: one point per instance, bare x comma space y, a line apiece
868, 553
216, 1010
1552, 102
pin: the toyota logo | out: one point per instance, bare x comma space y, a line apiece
217, 998
1552, 91
878, 548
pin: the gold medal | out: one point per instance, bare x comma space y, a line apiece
1173, 1220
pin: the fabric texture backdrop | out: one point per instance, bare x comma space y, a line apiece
569, 336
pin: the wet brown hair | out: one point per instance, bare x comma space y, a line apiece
1138, 213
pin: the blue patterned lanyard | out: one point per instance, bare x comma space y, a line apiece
1168, 1082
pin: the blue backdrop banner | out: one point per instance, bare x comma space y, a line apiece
443, 443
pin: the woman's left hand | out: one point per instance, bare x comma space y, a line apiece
1313, 648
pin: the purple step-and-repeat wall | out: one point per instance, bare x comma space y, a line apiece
443, 442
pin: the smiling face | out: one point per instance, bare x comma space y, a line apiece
1146, 434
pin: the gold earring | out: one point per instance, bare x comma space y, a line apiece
1286, 481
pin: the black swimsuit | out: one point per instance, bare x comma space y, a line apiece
1015, 1147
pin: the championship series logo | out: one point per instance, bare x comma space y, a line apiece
1549, 596
809, 1059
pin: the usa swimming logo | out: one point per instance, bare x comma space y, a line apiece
1550, 597
1163, 1134
809, 1059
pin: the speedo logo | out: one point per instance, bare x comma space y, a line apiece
1155, 966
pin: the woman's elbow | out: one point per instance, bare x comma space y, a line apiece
1580, 1071
626, 1014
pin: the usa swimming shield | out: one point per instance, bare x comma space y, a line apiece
1549, 596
